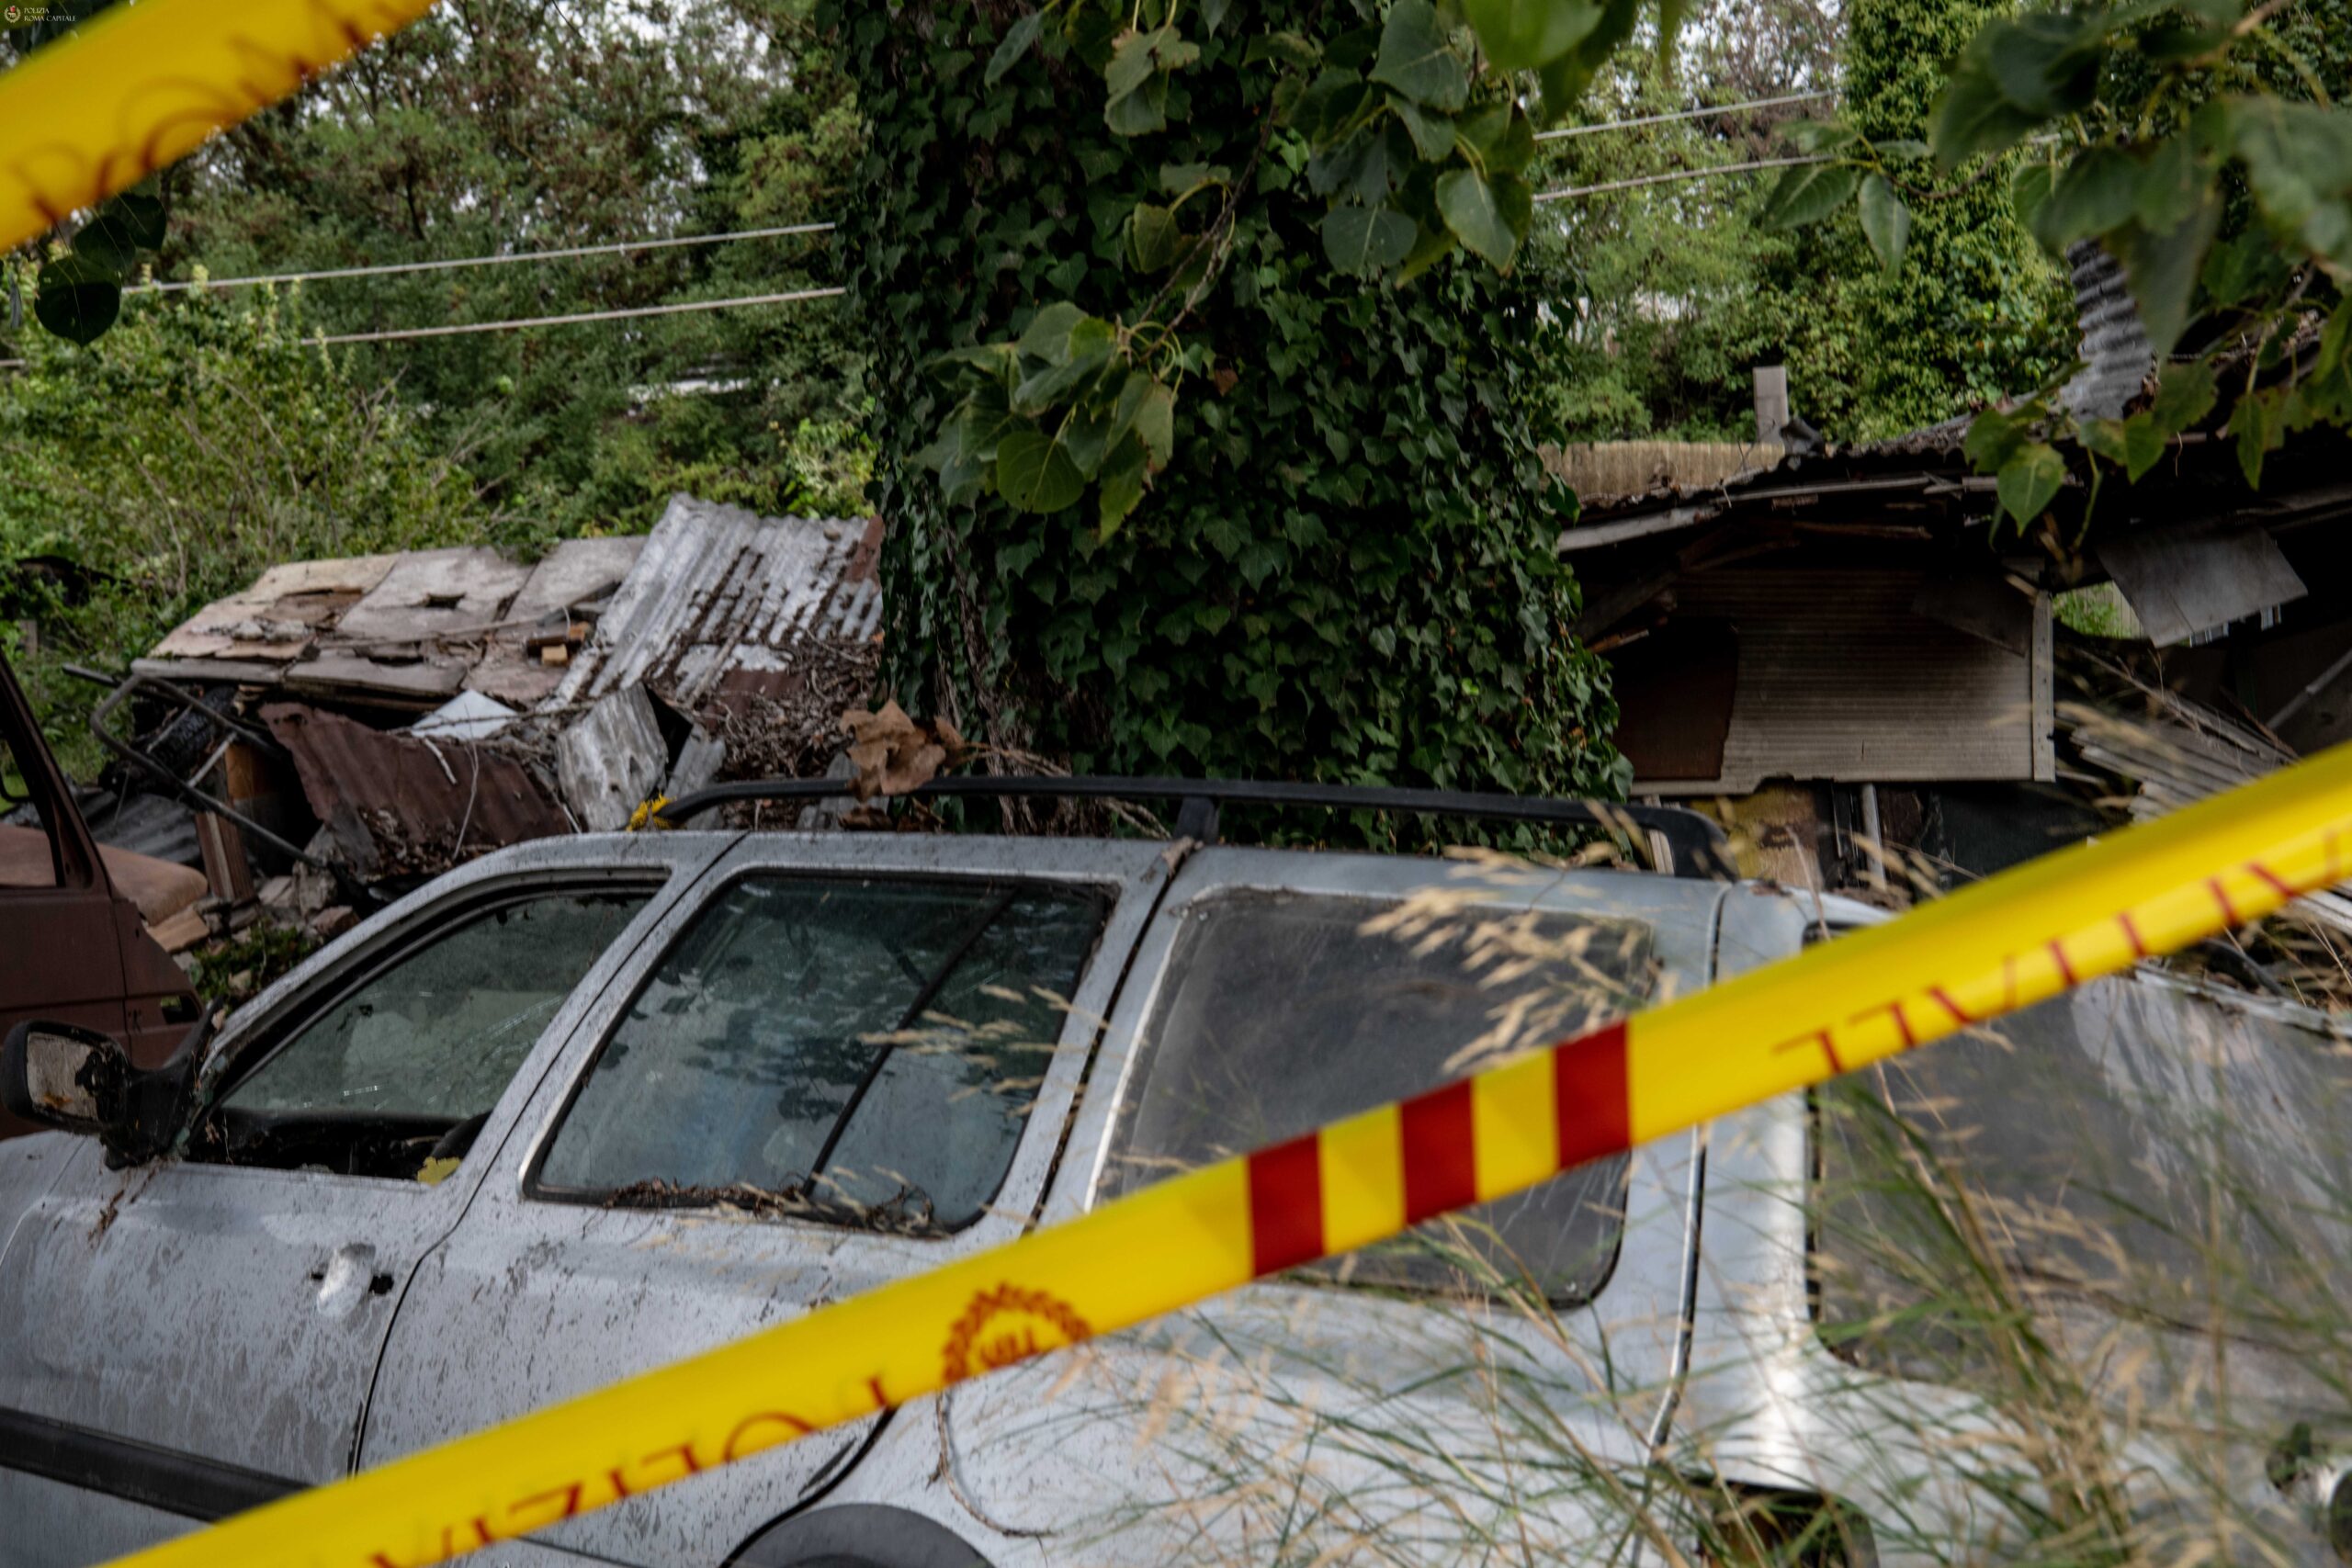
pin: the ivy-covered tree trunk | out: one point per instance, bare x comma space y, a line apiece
1346, 572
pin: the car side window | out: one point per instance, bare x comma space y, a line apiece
857, 1052
29, 850
2140, 1165
1283, 1011
404, 1066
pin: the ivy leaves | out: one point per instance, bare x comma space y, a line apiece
1365, 240
1315, 540
2015, 74
1414, 157
1415, 148
1527, 35
1886, 222
1419, 60
1845, 167
1807, 194
1138, 77
2020, 445
1018, 40
1490, 217
1041, 418
80, 293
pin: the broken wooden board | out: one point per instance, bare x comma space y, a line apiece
278, 618
431, 598
575, 572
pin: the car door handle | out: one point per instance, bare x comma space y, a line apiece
348, 1280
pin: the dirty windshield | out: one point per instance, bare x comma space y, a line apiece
2135, 1158
863, 1051
438, 1032
1284, 1011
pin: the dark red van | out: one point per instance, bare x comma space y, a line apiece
72, 947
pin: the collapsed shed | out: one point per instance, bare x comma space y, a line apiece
387, 716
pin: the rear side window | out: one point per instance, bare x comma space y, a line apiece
2137, 1166
1282, 1013
862, 1052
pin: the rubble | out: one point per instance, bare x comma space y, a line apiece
394, 803
419, 709
611, 758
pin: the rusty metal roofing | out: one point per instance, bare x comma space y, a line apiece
400, 803
716, 601
721, 601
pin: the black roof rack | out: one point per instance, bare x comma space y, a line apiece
1695, 846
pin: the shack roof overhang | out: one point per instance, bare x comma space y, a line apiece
1918, 498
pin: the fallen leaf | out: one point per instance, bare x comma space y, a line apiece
894, 754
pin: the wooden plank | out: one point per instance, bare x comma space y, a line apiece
431, 595
227, 872
280, 615
211, 671
425, 683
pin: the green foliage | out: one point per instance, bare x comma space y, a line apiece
1889, 314
1969, 309
195, 445
497, 126
237, 968
507, 125
1409, 158
1342, 565
2202, 148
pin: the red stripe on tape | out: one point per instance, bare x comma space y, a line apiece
1441, 1161
1286, 1206
1589, 1096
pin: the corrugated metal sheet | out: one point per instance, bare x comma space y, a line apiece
2117, 358
2177, 763
2198, 576
720, 599
398, 803
578, 571
610, 758
1838, 679
147, 825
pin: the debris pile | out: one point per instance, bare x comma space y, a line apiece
341, 731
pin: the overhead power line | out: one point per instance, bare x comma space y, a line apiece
1572, 192
461, 328
618, 248
1710, 113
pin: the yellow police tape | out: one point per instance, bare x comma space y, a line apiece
142, 84
2001, 945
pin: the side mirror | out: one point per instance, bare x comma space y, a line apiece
63, 1076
